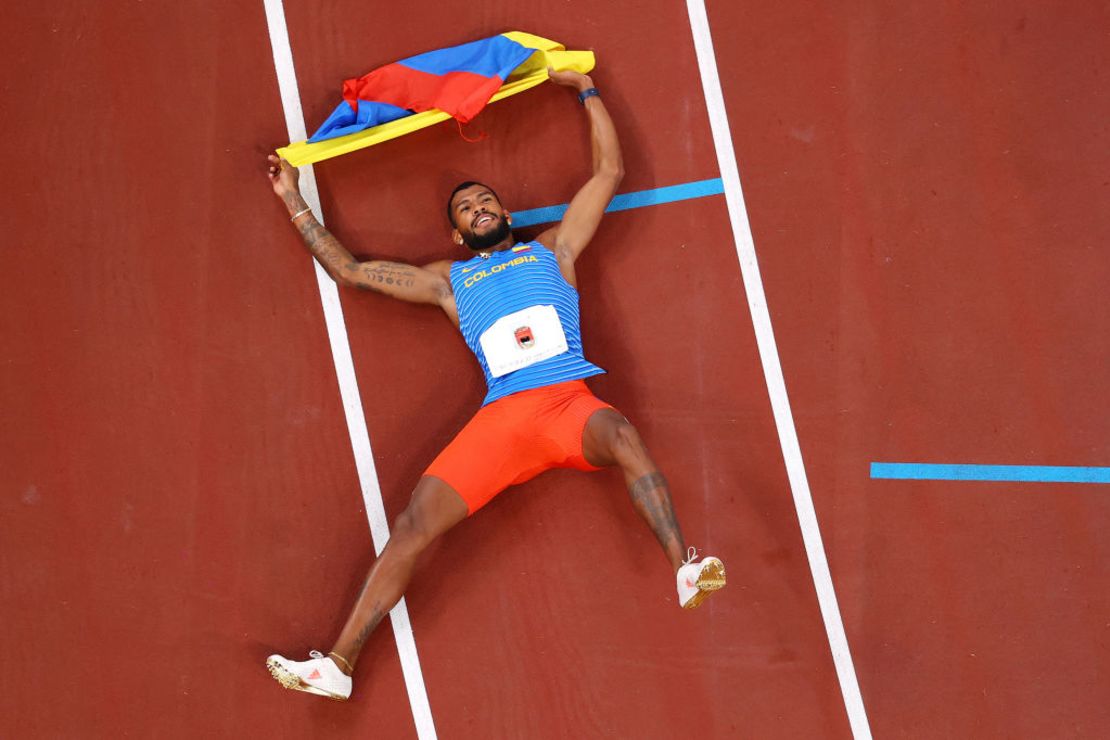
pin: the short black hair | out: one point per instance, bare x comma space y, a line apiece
464, 186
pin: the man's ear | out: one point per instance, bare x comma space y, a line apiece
508, 218
457, 237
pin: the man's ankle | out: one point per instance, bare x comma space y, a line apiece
341, 663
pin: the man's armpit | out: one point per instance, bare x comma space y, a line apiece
549, 237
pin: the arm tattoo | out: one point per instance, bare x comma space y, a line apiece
379, 276
293, 201
324, 246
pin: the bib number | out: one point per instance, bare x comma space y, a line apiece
522, 339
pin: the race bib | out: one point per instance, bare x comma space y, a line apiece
522, 339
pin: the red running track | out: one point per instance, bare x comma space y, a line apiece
926, 190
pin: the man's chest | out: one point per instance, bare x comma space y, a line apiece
483, 281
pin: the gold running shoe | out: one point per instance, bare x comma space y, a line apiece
318, 675
696, 580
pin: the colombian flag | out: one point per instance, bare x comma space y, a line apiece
459, 81
421, 91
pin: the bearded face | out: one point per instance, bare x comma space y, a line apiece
478, 217
488, 230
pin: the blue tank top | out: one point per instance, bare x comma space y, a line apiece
513, 289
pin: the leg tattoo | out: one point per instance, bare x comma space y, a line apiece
364, 633
651, 496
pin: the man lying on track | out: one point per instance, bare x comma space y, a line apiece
517, 308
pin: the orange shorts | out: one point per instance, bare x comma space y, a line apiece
516, 438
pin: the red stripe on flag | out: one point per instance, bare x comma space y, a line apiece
462, 94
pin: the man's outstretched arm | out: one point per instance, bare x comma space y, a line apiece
396, 279
588, 205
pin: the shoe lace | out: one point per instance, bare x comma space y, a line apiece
691, 556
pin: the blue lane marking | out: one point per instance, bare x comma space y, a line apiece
624, 201
1000, 473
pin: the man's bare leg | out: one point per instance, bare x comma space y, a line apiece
609, 439
435, 507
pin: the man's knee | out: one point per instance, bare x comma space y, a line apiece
434, 508
411, 531
627, 445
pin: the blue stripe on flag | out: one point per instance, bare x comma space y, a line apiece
625, 201
998, 473
492, 57
344, 121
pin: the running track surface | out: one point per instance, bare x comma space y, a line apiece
927, 190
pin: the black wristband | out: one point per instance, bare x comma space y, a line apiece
588, 94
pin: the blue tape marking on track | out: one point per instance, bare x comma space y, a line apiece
625, 201
999, 473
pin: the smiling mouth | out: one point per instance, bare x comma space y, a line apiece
484, 218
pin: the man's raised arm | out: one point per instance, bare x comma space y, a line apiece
588, 205
396, 279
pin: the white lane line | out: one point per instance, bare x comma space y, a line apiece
772, 370
345, 371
